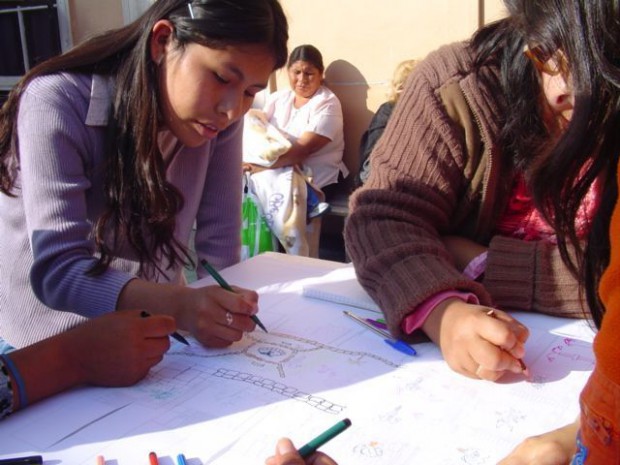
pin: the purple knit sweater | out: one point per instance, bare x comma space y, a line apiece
45, 233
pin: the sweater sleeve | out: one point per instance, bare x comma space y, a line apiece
524, 275
393, 233
56, 166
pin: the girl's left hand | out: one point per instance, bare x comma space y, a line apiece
217, 317
555, 447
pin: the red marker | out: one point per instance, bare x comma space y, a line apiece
153, 459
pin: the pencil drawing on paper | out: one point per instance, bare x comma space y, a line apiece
281, 389
281, 352
369, 449
278, 350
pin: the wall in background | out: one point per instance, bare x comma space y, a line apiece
89, 17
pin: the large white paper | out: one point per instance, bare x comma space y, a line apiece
314, 368
342, 287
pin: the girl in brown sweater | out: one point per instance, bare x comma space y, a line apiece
446, 229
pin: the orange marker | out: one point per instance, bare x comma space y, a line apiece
153, 458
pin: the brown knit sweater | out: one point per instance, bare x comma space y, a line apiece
438, 171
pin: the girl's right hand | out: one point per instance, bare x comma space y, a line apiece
286, 454
217, 317
117, 349
475, 344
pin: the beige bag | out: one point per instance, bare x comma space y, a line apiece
263, 143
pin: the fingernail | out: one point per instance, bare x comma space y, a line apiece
285, 446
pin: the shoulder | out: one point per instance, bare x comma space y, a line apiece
325, 94
325, 99
385, 109
60, 86
68, 93
448, 63
448, 82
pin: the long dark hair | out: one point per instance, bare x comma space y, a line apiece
588, 34
139, 199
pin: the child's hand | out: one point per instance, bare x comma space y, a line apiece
286, 454
473, 343
555, 447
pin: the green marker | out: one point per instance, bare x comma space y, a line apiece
310, 448
223, 284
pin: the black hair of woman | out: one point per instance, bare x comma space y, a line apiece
582, 37
308, 53
135, 179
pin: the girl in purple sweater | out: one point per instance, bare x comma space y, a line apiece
113, 151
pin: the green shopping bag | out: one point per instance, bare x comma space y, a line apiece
256, 237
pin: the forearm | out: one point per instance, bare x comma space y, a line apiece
301, 149
45, 368
156, 298
290, 158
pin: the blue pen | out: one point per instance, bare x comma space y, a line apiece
397, 344
181, 459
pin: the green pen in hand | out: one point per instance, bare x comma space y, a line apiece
222, 282
310, 448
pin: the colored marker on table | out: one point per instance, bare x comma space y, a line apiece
310, 448
29, 460
397, 344
377, 323
153, 459
100, 460
181, 459
175, 335
222, 282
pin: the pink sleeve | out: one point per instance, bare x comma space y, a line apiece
415, 319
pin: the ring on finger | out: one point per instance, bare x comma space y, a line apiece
229, 318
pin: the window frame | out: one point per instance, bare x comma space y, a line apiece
64, 27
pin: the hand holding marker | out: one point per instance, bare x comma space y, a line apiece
310, 448
222, 282
174, 335
524, 368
